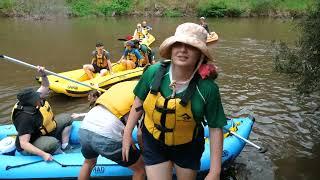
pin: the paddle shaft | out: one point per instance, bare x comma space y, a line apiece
245, 140
16, 61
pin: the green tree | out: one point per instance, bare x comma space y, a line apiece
303, 61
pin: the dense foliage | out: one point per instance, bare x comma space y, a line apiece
303, 61
170, 8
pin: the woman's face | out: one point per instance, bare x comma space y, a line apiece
184, 54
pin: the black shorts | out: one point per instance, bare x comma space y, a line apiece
186, 155
97, 69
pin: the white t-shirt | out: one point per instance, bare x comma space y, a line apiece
101, 121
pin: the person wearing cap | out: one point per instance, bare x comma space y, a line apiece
100, 62
177, 97
39, 132
204, 24
101, 131
131, 57
145, 51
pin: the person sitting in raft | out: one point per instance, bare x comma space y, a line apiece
92, 97
39, 133
131, 57
100, 62
138, 33
204, 24
101, 131
178, 97
146, 29
145, 51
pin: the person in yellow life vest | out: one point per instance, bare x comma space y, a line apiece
146, 28
39, 133
138, 33
100, 62
145, 51
177, 99
101, 131
131, 57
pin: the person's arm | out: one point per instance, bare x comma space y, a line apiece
110, 66
28, 147
135, 114
77, 115
216, 146
44, 88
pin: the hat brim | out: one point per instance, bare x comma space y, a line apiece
165, 47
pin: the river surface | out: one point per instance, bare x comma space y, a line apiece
285, 123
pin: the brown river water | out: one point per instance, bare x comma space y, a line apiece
285, 122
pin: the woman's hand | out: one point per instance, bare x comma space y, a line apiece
47, 157
126, 143
41, 70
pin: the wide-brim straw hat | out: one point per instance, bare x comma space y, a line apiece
188, 33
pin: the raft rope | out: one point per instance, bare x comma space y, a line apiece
61, 164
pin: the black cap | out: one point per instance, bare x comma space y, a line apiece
28, 97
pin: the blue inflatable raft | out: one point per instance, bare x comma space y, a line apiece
16, 166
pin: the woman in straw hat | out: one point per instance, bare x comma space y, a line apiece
178, 97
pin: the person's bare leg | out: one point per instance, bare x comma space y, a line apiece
86, 168
88, 69
184, 173
138, 170
65, 134
161, 171
103, 72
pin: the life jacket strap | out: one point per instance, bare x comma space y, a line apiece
190, 90
155, 86
163, 129
165, 110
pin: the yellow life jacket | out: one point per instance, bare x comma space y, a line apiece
170, 120
101, 60
48, 122
119, 98
145, 31
141, 35
132, 57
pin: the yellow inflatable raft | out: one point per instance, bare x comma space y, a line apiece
72, 89
148, 40
212, 37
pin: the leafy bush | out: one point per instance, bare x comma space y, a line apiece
173, 13
263, 7
81, 7
304, 60
212, 9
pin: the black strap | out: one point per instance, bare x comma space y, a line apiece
140, 108
163, 120
165, 110
190, 90
163, 129
122, 119
26, 109
155, 86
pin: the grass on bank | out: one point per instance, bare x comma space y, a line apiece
169, 8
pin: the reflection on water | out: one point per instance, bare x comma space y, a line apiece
247, 81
